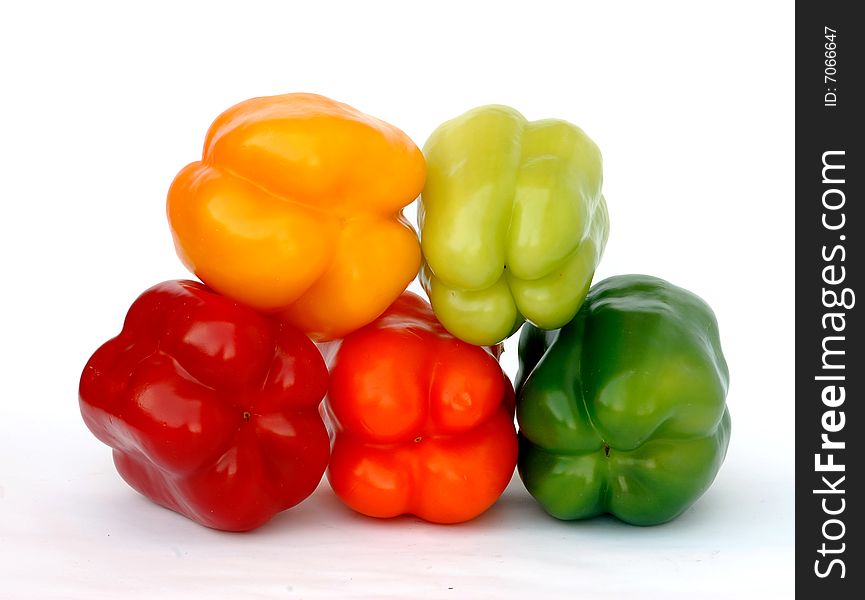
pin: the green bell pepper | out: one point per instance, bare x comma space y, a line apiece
623, 410
512, 222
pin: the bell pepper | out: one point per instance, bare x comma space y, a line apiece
295, 210
211, 409
513, 222
623, 409
423, 422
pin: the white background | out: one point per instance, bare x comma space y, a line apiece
692, 106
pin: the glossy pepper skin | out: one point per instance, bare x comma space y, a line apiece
211, 408
295, 210
623, 410
423, 422
513, 222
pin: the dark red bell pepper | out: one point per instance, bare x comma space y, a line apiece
210, 407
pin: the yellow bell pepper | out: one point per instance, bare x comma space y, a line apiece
295, 210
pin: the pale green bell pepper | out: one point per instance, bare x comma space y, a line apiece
513, 222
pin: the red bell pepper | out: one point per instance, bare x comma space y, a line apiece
211, 408
423, 422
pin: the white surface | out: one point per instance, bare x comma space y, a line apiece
692, 107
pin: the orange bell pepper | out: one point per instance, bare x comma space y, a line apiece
422, 422
295, 210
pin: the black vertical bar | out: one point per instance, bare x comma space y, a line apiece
830, 328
